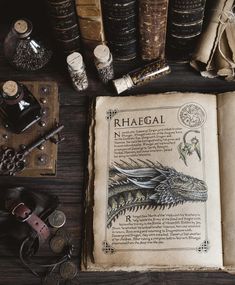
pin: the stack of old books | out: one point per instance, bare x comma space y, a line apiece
130, 28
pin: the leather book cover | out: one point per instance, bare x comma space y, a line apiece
185, 22
152, 28
64, 23
121, 27
90, 22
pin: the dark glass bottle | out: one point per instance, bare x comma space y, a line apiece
18, 107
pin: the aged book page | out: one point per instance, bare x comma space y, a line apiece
226, 107
156, 189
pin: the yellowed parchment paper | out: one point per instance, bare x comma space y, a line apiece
226, 118
214, 46
164, 148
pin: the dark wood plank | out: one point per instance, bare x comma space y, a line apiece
116, 278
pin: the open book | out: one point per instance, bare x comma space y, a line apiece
161, 189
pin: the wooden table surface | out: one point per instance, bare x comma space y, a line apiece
69, 182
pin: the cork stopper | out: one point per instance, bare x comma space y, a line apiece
21, 26
10, 88
102, 53
122, 84
75, 61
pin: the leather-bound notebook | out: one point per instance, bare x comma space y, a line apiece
90, 22
152, 28
185, 23
121, 27
64, 23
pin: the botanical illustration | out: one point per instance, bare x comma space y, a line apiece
188, 148
141, 184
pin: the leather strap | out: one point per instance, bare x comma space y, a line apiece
24, 214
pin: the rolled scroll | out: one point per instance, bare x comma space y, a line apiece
215, 53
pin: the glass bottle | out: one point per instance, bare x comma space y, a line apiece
18, 107
104, 63
22, 50
142, 75
77, 71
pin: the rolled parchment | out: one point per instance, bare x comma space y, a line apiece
221, 65
215, 52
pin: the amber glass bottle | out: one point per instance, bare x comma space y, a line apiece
18, 107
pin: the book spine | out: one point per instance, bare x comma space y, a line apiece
120, 25
64, 23
186, 19
90, 22
152, 28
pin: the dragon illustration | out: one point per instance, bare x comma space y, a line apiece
188, 148
143, 184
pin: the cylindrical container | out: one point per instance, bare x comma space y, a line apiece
121, 27
104, 63
63, 18
22, 50
18, 107
142, 75
184, 26
152, 28
77, 71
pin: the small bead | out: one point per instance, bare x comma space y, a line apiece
44, 112
23, 146
42, 124
44, 89
41, 159
43, 100
41, 147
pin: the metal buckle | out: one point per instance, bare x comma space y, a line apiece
13, 210
19, 218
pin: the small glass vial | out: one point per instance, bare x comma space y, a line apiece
142, 75
77, 71
18, 107
104, 63
22, 50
